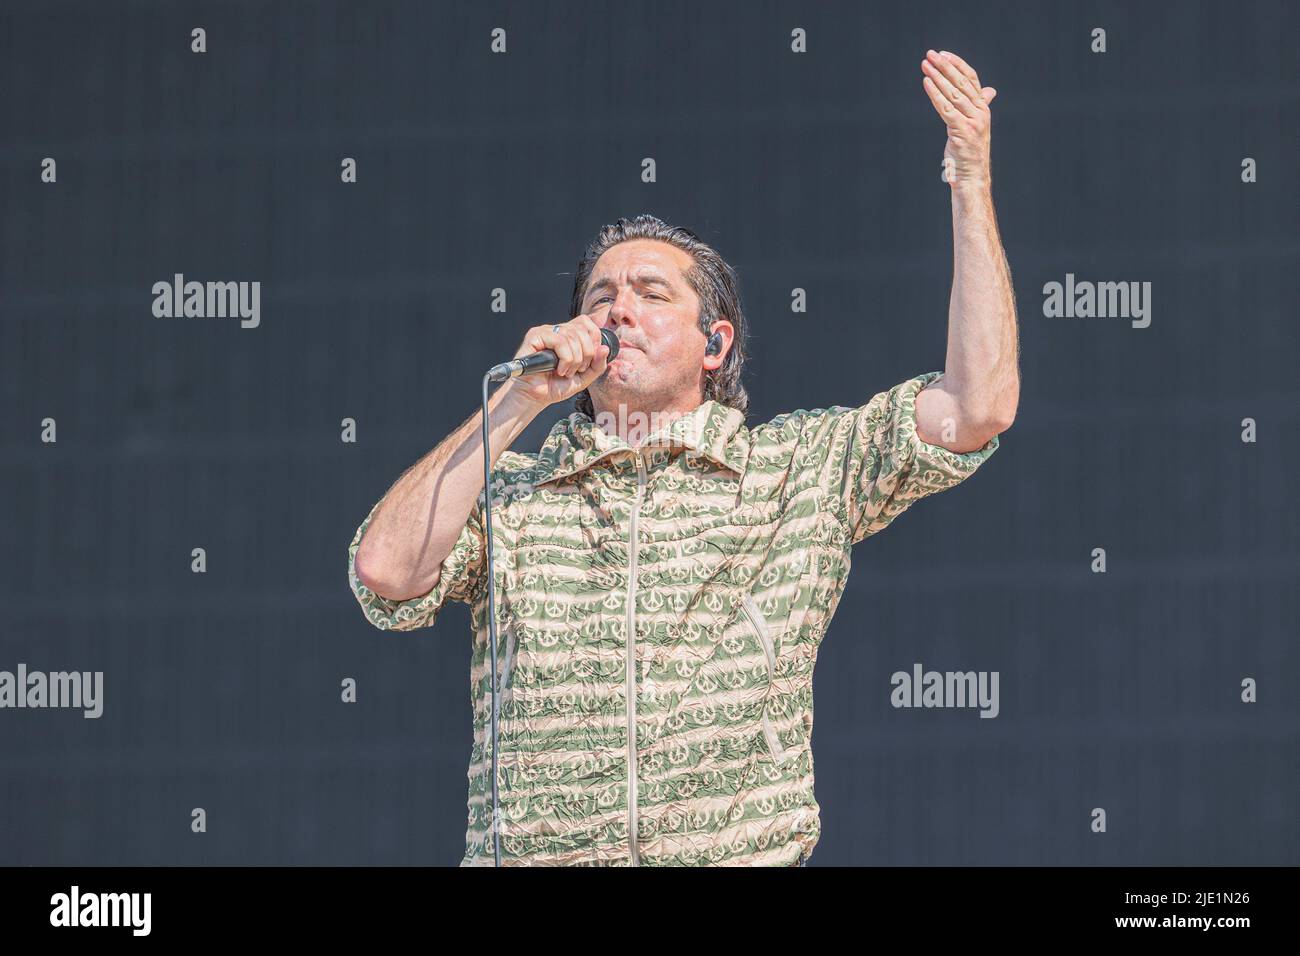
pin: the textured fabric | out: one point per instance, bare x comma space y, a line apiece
724, 550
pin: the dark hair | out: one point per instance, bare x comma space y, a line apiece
712, 279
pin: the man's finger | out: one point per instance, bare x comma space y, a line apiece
946, 110
954, 74
966, 68
955, 96
578, 346
564, 354
586, 348
598, 364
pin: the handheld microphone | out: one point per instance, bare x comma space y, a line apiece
544, 360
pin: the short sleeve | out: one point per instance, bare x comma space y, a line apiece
873, 464
461, 578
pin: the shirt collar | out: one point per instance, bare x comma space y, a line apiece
577, 442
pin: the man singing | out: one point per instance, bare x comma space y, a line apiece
664, 574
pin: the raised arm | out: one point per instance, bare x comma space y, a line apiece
977, 396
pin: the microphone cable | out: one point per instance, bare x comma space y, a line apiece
492, 618
500, 373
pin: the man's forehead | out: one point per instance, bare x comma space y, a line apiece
641, 260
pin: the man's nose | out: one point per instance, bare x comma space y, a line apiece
620, 313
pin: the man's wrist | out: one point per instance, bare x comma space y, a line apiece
977, 187
513, 405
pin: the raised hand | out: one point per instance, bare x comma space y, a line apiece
963, 105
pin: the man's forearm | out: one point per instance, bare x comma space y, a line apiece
423, 513
982, 366
977, 396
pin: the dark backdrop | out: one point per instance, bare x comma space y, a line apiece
479, 171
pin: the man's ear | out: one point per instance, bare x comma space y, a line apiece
717, 340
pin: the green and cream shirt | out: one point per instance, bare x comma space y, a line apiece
659, 611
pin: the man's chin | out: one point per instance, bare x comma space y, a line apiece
612, 381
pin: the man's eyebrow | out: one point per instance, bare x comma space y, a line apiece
643, 278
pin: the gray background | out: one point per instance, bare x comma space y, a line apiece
477, 171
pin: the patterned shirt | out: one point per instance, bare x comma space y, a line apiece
722, 551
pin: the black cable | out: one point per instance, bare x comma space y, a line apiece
492, 617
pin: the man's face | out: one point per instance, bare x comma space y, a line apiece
639, 289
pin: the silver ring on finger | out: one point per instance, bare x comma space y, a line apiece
555, 328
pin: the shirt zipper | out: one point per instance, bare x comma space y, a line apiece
631, 664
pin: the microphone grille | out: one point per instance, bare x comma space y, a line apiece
611, 340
